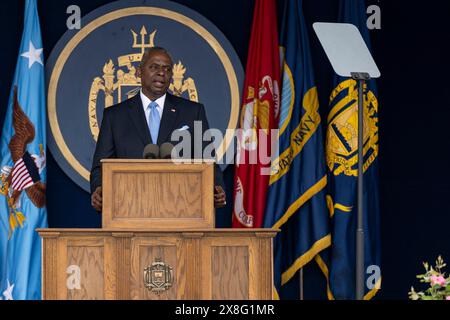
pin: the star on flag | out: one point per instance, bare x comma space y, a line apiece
8, 292
33, 55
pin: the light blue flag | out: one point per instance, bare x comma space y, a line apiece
23, 174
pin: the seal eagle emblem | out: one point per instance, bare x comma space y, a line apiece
24, 175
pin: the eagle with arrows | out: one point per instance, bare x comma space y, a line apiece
25, 174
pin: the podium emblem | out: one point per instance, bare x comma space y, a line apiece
158, 277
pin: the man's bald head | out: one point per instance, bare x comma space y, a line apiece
153, 50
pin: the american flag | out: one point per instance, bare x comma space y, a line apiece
25, 173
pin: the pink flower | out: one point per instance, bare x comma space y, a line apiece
440, 280
447, 298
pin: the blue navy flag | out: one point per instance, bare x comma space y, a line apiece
296, 201
23, 173
342, 161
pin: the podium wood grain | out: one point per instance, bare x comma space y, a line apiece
157, 195
156, 210
148, 194
207, 263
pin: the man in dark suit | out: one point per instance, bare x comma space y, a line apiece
149, 117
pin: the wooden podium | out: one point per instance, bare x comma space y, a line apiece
157, 242
148, 194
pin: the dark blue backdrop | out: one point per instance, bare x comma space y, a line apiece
412, 54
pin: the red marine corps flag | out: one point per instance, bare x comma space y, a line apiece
259, 115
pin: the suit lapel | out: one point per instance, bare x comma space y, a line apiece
168, 119
137, 115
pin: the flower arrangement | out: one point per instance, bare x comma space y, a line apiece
439, 286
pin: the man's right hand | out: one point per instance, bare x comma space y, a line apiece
96, 199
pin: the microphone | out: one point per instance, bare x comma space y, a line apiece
151, 151
166, 150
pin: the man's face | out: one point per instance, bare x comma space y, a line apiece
155, 74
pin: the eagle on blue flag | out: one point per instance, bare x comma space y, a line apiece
296, 199
23, 169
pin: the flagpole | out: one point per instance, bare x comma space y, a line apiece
300, 279
361, 77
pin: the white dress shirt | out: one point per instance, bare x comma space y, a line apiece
146, 105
